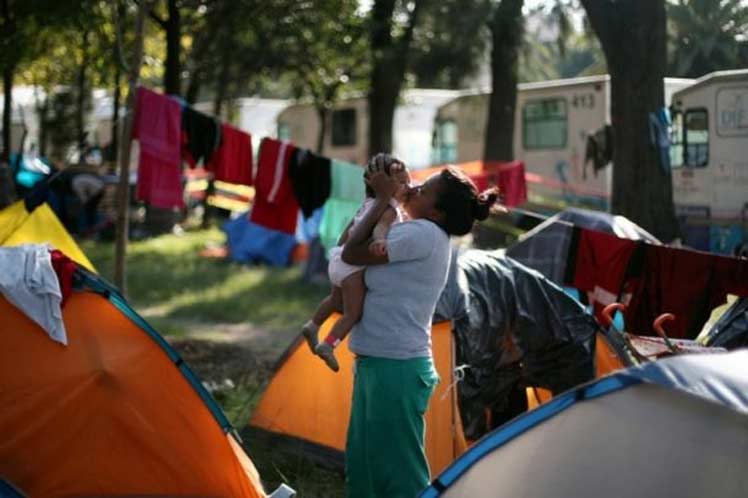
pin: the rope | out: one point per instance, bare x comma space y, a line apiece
459, 375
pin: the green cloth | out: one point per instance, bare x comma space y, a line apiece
385, 453
347, 193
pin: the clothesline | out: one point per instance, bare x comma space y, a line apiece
287, 179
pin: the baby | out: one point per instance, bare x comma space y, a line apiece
348, 287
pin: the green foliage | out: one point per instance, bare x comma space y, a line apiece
706, 36
450, 42
326, 49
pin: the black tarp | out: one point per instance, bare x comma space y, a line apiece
731, 330
513, 328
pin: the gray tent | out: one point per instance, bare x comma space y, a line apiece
674, 427
545, 248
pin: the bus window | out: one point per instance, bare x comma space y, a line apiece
343, 127
676, 140
696, 138
544, 124
445, 142
284, 131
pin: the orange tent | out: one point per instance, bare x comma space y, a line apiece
115, 413
307, 403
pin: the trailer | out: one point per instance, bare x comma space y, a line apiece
553, 121
709, 157
347, 127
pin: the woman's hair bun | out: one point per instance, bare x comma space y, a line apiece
482, 204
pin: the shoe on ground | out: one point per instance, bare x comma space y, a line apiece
327, 353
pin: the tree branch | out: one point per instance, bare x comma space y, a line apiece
407, 36
159, 20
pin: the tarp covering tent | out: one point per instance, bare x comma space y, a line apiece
116, 412
308, 405
731, 330
545, 248
24, 223
249, 242
307, 402
674, 427
519, 330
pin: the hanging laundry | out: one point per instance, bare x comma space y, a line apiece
274, 206
598, 150
157, 126
686, 283
159, 185
64, 267
29, 282
659, 137
202, 136
512, 183
484, 181
232, 162
251, 243
310, 179
346, 195
601, 263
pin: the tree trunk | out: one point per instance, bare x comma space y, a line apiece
389, 59
193, 88
633, 37
173, 50
221, 88
322, 116
114, 146
123, 191
80, 115
506, 34
42, 113
7, 185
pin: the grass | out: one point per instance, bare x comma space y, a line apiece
230, 322
168, 281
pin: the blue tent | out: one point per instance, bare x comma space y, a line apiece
675, 427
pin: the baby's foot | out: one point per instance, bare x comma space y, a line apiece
310, 334
327, 353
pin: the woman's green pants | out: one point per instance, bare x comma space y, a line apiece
385, 454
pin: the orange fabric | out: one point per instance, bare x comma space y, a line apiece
300, 253
606, 362
606, 359
109, 414
307, 400
472, 168
536, 396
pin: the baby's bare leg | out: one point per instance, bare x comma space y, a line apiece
353, 293
333, 302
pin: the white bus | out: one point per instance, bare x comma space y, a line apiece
709, 157
553, 120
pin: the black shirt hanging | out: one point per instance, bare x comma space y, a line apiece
202, 134
310, 178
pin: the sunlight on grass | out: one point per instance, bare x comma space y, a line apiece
167, 279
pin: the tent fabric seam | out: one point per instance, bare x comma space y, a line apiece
113, 296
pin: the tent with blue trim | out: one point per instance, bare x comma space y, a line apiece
675, 427
116, 412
